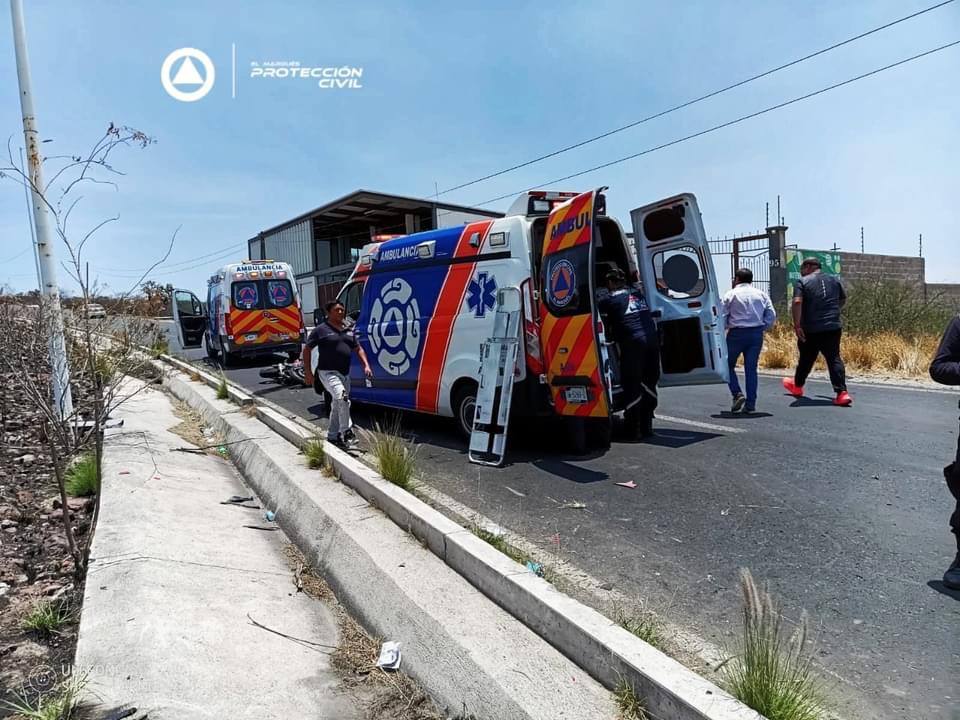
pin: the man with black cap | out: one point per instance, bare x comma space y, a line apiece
817, 301
631, 326
945, 369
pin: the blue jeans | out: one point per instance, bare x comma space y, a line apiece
747, 342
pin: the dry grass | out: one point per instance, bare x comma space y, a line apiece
385, 695
884, 352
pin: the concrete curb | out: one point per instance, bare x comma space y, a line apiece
471, 655
602, 648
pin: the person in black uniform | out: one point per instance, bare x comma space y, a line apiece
945, 369
631, 326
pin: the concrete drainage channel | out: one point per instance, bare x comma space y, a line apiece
458, 644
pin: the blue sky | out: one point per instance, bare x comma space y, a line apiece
452, 91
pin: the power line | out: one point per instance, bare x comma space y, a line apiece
688, 103
182, 262
726, 124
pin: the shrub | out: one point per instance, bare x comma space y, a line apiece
629, 704
46, 617
223, 393
772, 674
314, 452
643, 624
876, 306
81, 477
396, 459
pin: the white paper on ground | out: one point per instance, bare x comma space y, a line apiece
389, 656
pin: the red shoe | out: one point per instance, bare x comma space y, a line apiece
791, 387
843, 399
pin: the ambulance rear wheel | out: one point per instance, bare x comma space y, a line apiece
576, 435
227, 359
599, 431
465, 407
212, 352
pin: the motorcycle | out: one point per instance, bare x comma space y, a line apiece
285, 373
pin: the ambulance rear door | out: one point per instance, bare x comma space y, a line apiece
568, 329
681, 288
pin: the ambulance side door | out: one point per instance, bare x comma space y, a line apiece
681, 289
568, 328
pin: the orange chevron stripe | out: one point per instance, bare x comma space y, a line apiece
572, 210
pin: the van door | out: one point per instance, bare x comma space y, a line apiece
568, 329
188, 318
681, 289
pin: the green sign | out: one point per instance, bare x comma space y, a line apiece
829, 263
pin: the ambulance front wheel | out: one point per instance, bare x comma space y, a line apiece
465, 407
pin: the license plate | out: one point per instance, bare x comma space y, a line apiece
575, 394
250, 337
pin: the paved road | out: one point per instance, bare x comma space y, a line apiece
843, 511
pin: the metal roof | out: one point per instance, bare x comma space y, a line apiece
367, 205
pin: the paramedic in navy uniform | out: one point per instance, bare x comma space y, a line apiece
334, 345
631, 326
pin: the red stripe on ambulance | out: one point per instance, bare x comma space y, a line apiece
439, 329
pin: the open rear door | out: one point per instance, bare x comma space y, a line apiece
568, 329
188, 318
681, 288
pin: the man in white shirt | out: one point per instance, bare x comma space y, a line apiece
749, 314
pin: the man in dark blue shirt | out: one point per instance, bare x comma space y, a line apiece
817, 301
630, 325
334, 345
945, 369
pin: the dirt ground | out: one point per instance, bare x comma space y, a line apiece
35, 564
383, 695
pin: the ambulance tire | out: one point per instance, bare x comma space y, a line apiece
576, 435
464, 407
227, 359
212, 352
599, 432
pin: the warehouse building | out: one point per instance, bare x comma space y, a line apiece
323, 245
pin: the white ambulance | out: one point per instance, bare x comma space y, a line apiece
252, 309
423, 304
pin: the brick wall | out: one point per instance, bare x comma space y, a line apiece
864, 266
948, 292
858, 267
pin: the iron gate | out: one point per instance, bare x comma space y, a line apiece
752, 251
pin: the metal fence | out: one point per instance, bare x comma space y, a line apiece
751, 251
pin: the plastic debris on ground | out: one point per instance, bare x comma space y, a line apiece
535, 567
389, 656
628, 484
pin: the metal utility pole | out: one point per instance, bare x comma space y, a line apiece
33, 237
921, 244
861, 239
60, 375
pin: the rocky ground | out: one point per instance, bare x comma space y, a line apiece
35, 563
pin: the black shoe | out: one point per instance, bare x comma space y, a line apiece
951, 578
350, 439
738, 402
748, 409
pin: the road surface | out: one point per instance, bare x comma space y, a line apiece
843, 510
